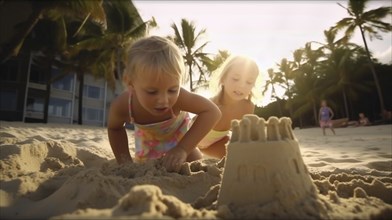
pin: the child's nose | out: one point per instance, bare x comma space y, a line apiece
243, 85
163, 98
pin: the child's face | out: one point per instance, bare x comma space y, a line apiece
239, 82
156, 96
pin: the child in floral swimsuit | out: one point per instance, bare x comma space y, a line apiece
158, 107
152, 141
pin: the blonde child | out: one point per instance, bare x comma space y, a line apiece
236, 80
158, 107
325, 117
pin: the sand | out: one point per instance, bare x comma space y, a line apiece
68, 171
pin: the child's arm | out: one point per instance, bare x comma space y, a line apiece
208, 115
332, 114
116, 132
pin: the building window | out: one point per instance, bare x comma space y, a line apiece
35, 104
8, 100
64, 83
59, 107
9, 71
93, 92
36, 75
93, 114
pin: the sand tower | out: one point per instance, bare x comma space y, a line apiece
264, 164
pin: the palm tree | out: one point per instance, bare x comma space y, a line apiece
306, 74
100, 54
53, 14
368, 22
274, 78
214, 63
92, 47
211, 65
286, 69
337, 70
99, 63
124, 26
55, 11
340, 69
188, 40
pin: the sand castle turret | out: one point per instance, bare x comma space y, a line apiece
264, 164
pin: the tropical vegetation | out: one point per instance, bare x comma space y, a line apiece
368, 22
191, 42
89, 37
337, 70
82, 37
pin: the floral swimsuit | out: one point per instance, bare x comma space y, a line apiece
152, 141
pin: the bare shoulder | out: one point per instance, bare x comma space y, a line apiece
192, 102
120, 101
184, 100
188, 97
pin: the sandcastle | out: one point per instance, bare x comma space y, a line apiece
264, 165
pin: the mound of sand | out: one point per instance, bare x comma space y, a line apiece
68, 171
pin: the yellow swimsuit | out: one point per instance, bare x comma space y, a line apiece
212, 137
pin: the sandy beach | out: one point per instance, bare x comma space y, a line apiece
62, 171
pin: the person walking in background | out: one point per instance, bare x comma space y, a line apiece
325, 117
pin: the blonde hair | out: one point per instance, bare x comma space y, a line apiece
154, 55
221, 73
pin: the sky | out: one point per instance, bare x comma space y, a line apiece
266, 31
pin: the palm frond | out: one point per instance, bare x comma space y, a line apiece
199, 49
177, 36
376, 14
357, 7
188, 34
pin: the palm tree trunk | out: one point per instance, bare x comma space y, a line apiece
279, 107
300, 121
48, 73
376, 81
351, 107
80, 101
289, 100
17, 41
277, 100
315, 115
118, 63
190, 77
345, 102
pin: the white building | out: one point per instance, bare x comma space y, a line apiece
26, 101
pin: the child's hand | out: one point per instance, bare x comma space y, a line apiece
174, 158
